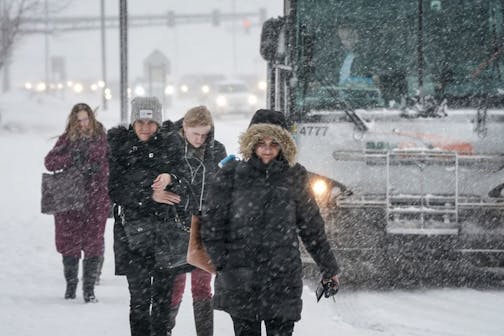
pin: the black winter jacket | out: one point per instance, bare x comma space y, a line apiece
133, 167
250, 228
197, 170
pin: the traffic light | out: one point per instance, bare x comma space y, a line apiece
246, 23
216, 17
170, 19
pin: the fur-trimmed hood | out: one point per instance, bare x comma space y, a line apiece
256, 132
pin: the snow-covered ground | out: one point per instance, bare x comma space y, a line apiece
32, 284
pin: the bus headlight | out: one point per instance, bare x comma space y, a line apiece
327, 191
320, 188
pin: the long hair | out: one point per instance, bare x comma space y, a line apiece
73, 130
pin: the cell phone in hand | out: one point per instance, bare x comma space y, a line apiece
328, 289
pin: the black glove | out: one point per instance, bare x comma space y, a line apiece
79, 157
91, 169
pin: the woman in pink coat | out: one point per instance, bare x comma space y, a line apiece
83, 145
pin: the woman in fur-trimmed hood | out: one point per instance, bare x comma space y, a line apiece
250, 228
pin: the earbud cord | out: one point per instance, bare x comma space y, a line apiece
193, 174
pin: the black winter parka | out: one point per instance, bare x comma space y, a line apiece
250, 228
200, 172
133, 167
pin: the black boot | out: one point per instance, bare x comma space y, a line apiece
203, 317
171, 321
71, 272
99, 270
90, 270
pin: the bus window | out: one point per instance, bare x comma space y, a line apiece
366, 53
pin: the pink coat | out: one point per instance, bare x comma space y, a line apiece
83, 230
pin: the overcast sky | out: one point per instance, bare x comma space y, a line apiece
190, 48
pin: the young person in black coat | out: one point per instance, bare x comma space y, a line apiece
201, 156
255, 211
146, 187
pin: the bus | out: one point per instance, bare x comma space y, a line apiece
397, 111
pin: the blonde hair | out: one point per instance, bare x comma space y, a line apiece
198, 116
72, 127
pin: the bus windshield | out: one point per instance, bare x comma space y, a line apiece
376, 53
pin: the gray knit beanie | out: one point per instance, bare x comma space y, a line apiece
146, 108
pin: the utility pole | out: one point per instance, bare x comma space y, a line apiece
5, 31
103, 54
46, 44
233, 34
123, 49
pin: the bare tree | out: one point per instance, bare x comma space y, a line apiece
12, 14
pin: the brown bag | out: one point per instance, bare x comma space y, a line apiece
62, 191
196, 253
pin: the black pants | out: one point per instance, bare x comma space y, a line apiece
148, 286
253, 328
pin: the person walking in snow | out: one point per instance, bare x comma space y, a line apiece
82, 145
145, 186
250, 225
201, 155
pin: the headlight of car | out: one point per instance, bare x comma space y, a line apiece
40, 87
205, 89
169, 90
78, 87
252, 99
221, 101
184, 88
108, 94
139, 90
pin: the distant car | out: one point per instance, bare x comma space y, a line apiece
232, 97
197, 86
163, 91
256, 83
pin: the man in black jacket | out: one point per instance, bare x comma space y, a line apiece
145, 184
255, 211
201, 156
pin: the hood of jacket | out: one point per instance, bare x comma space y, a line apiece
256, 132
